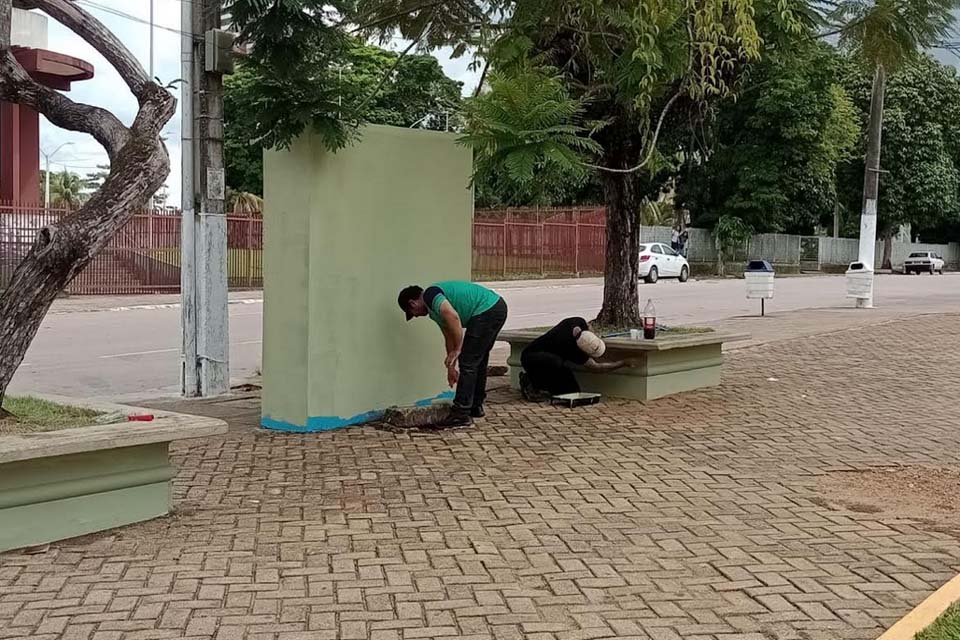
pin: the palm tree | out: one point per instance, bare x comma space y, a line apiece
66, 189
884, 34
244, 203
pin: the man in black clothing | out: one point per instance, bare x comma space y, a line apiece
546, 361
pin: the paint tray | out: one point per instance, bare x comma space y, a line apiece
575, 399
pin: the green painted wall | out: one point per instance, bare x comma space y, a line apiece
344, 232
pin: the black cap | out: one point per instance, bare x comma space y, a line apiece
413, 292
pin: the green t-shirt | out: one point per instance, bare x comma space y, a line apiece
468, 299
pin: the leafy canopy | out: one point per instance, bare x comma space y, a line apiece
402, 93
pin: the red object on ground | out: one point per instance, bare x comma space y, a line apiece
140, 418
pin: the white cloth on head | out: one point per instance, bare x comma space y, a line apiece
591, 344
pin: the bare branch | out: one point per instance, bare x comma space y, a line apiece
483, 78
386, 76
96, 35
17, 86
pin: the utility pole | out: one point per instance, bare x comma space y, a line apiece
206, 369
150, 201
871, 181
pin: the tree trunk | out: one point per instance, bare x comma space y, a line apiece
621, 304
139, 166
887, 262
60, 253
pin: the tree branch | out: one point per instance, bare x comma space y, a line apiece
386, 76
17, 86
653, 142
98, 36
393, 16
483, 78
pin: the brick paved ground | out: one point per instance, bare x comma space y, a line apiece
694, 517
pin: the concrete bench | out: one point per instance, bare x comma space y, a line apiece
668, 364
61, 484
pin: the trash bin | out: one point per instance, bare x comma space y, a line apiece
759, 279
859, 281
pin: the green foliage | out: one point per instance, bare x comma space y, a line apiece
527, 135
731, 235
920, 147
415, 91
776, 150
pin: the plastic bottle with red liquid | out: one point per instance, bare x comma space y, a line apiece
649, 321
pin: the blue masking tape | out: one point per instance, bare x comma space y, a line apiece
329, 423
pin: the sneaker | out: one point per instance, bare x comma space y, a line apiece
478, 412
457, 420
529, 392
526, 387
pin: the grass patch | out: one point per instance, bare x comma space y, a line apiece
31, 415
946, 627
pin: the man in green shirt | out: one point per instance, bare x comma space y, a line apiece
470, 317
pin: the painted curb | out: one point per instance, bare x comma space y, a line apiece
925, 613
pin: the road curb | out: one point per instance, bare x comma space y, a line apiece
925, 613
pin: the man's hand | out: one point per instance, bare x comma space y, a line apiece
451, 359
452, 376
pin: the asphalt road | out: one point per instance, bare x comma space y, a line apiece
111, 349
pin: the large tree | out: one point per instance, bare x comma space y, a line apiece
773, 154
402, 92
139, 164
629, 67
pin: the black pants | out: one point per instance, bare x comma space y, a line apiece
482, 332
549, 373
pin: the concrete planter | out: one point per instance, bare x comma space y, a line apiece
668, 365
60, 484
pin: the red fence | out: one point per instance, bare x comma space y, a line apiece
530, 242
144, 257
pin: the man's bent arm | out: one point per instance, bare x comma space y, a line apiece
452, 331
603, 367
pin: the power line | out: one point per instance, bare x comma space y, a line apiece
122, 14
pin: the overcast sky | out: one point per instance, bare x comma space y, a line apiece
107, 90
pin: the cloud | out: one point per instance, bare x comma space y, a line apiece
108, 90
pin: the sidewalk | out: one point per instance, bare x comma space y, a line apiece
696, 517
78, 304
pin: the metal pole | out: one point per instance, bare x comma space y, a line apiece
46, 182
189, 374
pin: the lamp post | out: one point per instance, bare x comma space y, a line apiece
46, 177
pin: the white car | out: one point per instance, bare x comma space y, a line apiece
658, 260
920, 261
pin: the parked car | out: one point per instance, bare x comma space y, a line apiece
660, 261
923, 261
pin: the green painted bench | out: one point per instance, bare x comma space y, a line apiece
666, 365
56, 485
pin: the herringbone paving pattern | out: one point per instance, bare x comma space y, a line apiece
693, 517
